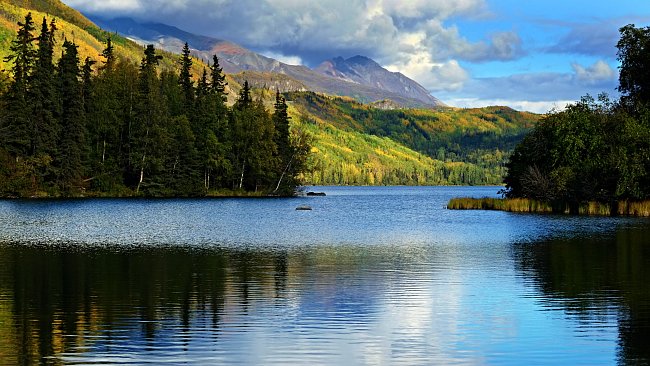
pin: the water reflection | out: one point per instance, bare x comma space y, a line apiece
147, 304
594, 279
370, 276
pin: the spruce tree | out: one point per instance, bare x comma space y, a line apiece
43, 96
105, 103
218, 79
73, 134
245, 99
285, 151
148, 139
185, 79
16, 116
109, 56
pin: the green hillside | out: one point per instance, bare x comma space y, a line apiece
359, 144
72, 25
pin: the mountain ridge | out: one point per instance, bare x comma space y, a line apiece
369, 83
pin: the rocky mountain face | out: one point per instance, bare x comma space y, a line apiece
365, 71
357, 77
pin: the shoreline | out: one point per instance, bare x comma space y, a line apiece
525, 205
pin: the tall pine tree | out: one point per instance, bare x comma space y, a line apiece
185, 79
218, 79
15, 128
43, 97
73, 134
285, 150
148, 139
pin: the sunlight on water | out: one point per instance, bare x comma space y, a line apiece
369, 276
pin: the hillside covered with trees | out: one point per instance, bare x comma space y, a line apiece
70, 128
361, 144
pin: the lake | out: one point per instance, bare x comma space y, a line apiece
372, 275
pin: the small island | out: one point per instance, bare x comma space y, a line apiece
592, 158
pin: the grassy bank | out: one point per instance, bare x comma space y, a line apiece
622, 208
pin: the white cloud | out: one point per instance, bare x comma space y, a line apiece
434, 76
289, 60
521, 105
598, 72
105, 5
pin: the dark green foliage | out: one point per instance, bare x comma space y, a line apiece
72, 145
16, 117
253, 149
185, 79
594, 150
69, 131
286, 150
109, 56
42, 94
634, 55
218, 79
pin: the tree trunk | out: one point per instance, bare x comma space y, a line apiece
241, 179
137, 190
104, 152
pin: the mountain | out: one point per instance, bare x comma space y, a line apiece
365, 71
358, 77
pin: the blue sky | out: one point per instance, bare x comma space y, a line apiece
530, 55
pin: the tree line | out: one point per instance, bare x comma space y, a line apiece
71, 128
596, 149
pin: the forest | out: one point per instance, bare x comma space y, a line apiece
444, 146
72, 128
597, 149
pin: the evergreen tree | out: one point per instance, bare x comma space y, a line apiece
73, 134
87, 84
202, 87
218, 79
16, 118
285, 150
209, 124
148, 138
107, 107
109, 56
254, 151
185, 79
245, 99
42, 93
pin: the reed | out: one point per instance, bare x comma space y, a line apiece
623, 208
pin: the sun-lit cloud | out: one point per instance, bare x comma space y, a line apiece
594, 74
289, 60
374, 28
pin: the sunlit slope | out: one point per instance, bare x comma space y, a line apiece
71, 25
359, 144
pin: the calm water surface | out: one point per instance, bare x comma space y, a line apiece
370, 276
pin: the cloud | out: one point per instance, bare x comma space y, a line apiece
520, 105
537, 92
316, 30
594, 74
289, 60
105, 6
434, 76
593, 39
